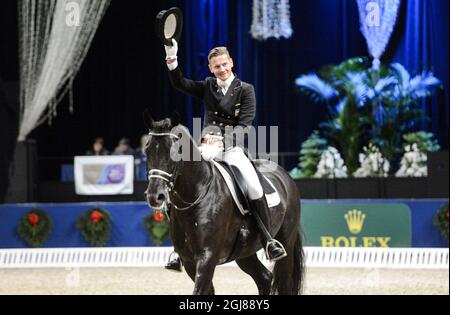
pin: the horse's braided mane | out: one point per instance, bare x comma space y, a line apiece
162, 125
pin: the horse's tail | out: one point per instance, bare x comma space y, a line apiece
299, 265
298, 271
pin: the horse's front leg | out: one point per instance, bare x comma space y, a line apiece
205, 267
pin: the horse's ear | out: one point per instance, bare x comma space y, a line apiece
175, 119
148, 120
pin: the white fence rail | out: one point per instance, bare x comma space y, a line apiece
415, 258
400, 258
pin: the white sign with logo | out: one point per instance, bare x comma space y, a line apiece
104, 175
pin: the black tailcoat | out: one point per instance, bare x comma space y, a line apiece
236, 108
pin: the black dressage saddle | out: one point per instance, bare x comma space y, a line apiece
241, 185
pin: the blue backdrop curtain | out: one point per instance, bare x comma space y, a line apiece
271, 66
423, 45
324, 32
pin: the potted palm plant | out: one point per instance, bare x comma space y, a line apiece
368, 105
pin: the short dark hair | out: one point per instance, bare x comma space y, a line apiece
124, 141
99, 140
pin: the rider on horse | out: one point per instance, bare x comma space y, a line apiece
229, 102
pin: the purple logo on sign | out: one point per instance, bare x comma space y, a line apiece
115, 174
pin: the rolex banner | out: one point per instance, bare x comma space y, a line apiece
104, 175
357, 225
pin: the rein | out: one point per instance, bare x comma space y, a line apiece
171, 179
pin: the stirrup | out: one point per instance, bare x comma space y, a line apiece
274, 241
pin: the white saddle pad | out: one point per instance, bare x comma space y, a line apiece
273, 199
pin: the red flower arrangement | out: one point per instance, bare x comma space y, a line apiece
158, 216
33, 218
158, 227
95, 225
35, 227
96, 216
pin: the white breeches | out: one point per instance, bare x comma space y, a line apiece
237, 158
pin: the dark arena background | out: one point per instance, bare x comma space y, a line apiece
357, 89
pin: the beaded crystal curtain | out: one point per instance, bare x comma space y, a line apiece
55, 36
271, 18
377, 18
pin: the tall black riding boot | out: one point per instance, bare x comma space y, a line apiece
274, 249
174, 263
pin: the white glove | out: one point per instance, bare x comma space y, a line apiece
171, 51
210, 152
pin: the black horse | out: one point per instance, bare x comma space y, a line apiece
207, 228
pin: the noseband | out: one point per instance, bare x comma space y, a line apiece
160, 174
170, 180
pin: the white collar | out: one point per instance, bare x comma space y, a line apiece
227, 82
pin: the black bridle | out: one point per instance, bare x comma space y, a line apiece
171, 179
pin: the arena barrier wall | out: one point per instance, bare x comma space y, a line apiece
128, 230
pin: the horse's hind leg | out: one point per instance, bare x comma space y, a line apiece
253, 267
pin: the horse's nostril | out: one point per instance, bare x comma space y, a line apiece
161, 197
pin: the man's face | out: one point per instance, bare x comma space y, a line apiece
123, 147
221, 66
98, 147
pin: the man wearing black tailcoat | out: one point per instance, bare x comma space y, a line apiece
229, 103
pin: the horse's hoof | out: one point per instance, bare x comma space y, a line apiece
174, 265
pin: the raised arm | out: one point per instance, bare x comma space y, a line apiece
187, 86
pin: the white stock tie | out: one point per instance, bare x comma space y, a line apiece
223, 86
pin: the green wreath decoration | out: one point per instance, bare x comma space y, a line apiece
441, 220
157, 226
35, 227
95, 225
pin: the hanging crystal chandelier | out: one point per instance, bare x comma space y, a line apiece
271, 18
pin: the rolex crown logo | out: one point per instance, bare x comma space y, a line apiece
355, 221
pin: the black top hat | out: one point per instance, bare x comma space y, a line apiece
168, 25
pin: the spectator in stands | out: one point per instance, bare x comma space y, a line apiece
123, 148
98, 148
140, 160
